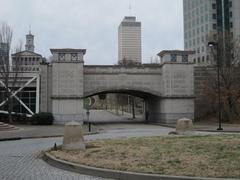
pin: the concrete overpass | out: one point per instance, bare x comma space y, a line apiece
168, 89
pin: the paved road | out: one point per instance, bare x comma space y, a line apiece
21, 160
102, 116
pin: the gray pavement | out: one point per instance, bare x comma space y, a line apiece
102, 116
104, 120
21, 160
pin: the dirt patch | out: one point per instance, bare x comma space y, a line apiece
204, 156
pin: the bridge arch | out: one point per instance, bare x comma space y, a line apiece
138, 92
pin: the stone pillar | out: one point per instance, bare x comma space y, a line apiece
73, 137
178, 93
177, 100
67, 85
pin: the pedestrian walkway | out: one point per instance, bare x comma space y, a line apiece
105, 121
211, 127
206, 126
103, 117
30, 131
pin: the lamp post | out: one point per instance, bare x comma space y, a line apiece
215, 44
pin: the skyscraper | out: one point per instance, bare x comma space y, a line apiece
129, 41
203, 19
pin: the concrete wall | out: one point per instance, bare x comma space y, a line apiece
173, 109
104, 78
178, 80
67, 91
177, 100
45, 88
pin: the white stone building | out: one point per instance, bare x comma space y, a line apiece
27, 60
129, 41
203, 19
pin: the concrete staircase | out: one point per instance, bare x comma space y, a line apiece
7, 127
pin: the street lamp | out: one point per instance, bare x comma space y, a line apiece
215, 44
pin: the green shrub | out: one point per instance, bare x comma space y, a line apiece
42, 119
21, 119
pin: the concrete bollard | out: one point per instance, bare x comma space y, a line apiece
184, 125
73, 137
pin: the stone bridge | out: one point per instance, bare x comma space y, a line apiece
167, 89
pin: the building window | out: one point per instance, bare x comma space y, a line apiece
203, 39
61, 57
184, 58
198, 59
230, 3
173, 57
206, 17
230, 14
202, 19
214, 26
194, 60
74, 56
203, 59
214, 6
214, 16
231, 25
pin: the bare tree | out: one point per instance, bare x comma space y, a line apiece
8, 74
226, 55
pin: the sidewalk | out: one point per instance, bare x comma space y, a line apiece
204, 126
30, 131
211, 127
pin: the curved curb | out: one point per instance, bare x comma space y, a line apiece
10, 139
114, 174
39, 137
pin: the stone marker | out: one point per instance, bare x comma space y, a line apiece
184, 125
73, 137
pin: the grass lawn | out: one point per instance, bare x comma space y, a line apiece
205, 156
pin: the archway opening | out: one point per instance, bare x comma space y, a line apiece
118, 106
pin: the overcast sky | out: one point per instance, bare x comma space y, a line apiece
93, 25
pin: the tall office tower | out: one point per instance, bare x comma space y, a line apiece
203, 19
129, 41
29, 42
